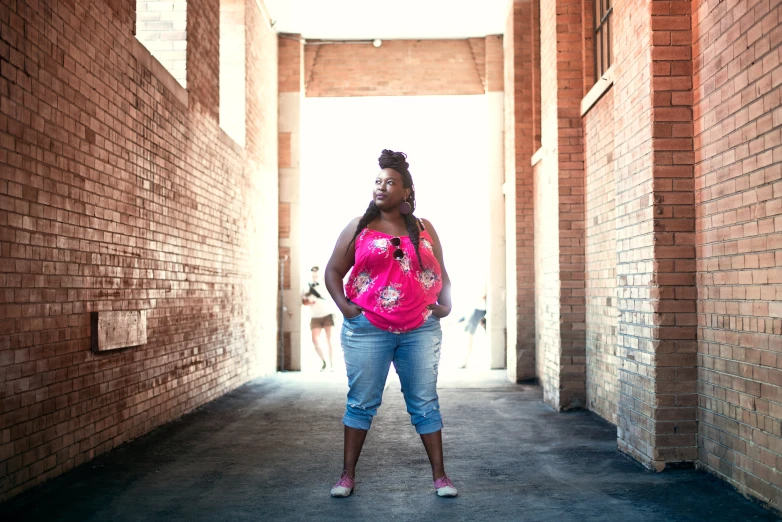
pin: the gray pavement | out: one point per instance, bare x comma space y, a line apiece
272, 449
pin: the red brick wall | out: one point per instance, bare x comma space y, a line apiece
261, 92
397, 68
561, 320
519, 143
653, 128
478, 52
602, 383
116, 196
570, 155
262, 190
547, 283
290, 60
634, 223
203, 58
674, 238
493, 75
547, 293
290, 63
738, 197
683, 178
509, 150
588, 43
536, 84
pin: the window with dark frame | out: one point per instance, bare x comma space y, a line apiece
603, 34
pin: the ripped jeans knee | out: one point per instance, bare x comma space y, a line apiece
357, 416
428, 421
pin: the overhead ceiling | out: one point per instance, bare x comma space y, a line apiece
397, 19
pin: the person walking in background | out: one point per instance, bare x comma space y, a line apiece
397, 292
478, 317
322, 317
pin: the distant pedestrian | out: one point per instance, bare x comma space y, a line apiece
396, 294
478, 317
322, 318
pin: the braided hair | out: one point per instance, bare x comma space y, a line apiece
398, 161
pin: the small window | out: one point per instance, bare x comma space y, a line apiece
603, 33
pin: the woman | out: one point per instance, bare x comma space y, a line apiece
396, 294
322, 319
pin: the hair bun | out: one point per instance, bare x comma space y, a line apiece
392, 160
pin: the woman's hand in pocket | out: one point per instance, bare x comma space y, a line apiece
351, 311
439, 310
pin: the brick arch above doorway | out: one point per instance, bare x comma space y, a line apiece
400, 67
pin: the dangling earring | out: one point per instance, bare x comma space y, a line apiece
405, 207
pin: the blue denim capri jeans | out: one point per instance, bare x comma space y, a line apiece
369, 352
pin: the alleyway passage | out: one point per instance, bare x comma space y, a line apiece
272, 449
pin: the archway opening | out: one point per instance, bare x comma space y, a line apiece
446, 141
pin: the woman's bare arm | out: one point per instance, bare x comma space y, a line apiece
342, 259
443, 307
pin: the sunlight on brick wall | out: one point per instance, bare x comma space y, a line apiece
161, 26
232, 69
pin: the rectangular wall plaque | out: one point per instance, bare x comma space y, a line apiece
114, 330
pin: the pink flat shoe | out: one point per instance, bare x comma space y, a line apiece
445, 487
344, 487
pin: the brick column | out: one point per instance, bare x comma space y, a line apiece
559, 195
674, 233
261, 168
656, 342
519, 210
291, 93
570, 158
536, 85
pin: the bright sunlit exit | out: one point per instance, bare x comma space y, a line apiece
445, 140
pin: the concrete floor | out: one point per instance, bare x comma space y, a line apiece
272, 449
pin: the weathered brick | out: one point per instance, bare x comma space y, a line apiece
521, 135
118, 194
396, 68
738, 300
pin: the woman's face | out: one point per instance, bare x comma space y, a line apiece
389, 190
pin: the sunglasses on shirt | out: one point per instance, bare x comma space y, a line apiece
398, 253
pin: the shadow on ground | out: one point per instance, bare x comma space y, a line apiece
272, 449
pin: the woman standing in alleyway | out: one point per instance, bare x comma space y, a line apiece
397, 292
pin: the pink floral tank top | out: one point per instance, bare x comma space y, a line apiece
394, 293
